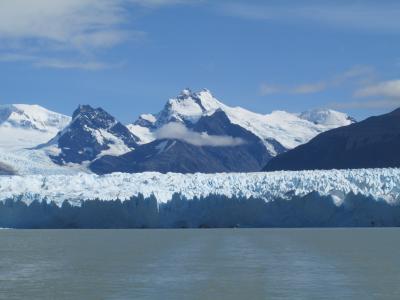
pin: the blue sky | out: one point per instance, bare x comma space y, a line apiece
130, 56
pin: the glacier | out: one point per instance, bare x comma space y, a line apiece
362, 197
377, 183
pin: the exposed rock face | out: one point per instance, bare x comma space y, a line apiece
92, 133
372, 143
179, 155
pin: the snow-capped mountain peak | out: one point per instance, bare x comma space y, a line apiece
185, 93
93, 117
288, 129
92, 133
207, 100
24, 126
327, 117
32, 117
188, 106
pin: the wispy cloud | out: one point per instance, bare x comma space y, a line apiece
57, 63
68, 64
63, 23
367, 104
76, 29
180, 132
380, 95
267, 89
359, 74
389, 88
310, 88
158, 3
359, 15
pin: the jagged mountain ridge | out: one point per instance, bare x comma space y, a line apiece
263, 136
372, 143
91, 133
183, 156
287, 129
206, 141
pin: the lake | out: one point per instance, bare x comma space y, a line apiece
200, 264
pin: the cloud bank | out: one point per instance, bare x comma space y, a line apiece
180, 132
63, 23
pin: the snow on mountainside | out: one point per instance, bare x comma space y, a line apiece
377, 183
188, 107
144, 134
25, 126
27, 162
211, 145
288, 129
327, 117
371, 143
92, 133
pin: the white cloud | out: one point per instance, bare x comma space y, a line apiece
367, 104
56, 63
387, 95
267, 89
68, 64
310, 88
389, 88
71, 23
360, 15
158, 3
63, 22
180, 132
12, 57
359, 74
68, 33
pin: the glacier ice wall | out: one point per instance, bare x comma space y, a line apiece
153, 200
377, 183
212, 211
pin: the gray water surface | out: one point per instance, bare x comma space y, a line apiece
200, 264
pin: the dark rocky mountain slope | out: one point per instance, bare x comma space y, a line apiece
372, 143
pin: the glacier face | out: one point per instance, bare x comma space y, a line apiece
376, 183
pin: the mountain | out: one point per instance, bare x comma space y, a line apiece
26, 126
91, 133
23, 127
372, 143
327, 118
211, 145
279, 127
195, 132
